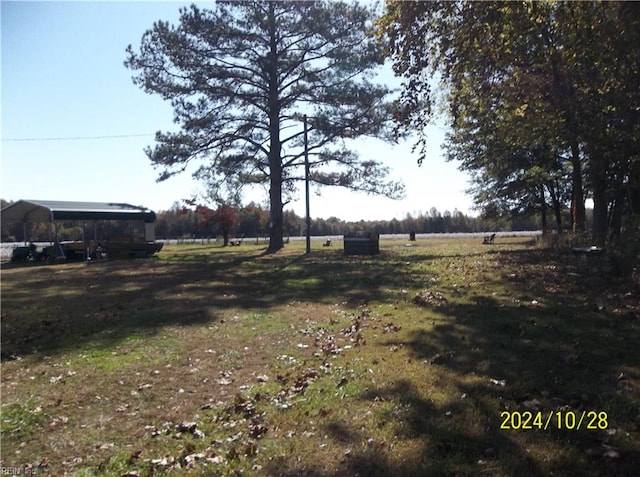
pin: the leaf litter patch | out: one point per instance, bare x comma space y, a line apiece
430, 298
237, 426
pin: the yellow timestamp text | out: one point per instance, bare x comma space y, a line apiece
569, 420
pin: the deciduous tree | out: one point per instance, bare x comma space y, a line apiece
542, 96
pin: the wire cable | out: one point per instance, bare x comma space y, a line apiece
76, 138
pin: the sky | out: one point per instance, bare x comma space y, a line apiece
74, 126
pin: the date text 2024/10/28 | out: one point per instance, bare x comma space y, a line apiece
571, 420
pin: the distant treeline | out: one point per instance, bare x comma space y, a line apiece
253, 221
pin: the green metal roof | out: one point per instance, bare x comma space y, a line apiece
48, 210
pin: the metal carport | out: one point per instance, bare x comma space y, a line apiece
49, 211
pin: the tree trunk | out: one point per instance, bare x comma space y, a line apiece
599, 210
633, 188
543, 211
617, 208
225, 237
276, 239
578, 211
557, 207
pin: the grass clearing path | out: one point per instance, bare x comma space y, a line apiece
423, 360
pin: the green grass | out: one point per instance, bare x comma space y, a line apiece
21, 420
225, 361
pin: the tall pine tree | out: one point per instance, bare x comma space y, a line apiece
240, 79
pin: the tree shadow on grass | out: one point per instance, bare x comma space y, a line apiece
554, 353
48, 309
537, 359
440, 447
557, 354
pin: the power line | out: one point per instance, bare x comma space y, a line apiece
76, 138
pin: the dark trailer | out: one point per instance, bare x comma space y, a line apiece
141, 242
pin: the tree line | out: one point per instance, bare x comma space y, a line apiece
542, 99
187, 220
252, 220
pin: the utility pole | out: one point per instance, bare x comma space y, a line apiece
306, 183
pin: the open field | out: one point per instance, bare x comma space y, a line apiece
419, 361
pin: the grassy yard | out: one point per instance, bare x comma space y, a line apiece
444, 358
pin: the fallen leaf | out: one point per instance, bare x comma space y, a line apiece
135, 454
532, 405
243, 405
441, 357
391, 327
430, 299
186, 426
257, 430
191, 458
